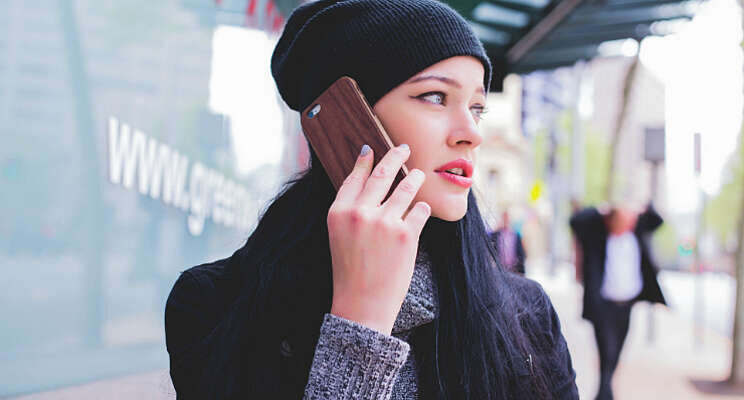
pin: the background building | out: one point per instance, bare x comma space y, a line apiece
120, 168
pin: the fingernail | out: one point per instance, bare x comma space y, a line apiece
365, 150
404, 146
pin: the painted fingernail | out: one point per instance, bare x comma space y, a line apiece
404, 147
365, 150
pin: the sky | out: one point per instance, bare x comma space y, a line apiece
701, 67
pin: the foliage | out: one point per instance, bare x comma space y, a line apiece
665, 244
596, 158
540, 152
541, 146
722, 211
563, 148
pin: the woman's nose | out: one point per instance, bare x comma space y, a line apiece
464, 130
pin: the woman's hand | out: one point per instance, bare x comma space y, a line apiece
374, 245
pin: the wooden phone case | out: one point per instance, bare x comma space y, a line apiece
342, 125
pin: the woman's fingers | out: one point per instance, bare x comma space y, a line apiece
378, 184
418, 216
354, 182
403, 195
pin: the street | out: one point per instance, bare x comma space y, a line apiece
671, 366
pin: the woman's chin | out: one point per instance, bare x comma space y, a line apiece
449, 212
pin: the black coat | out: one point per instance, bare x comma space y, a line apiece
591, 231
200, 309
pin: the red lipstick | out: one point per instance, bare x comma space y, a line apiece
463, 180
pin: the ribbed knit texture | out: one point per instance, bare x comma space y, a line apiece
354, 362
379, 43
420, 305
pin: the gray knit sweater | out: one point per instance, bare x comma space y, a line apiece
355, 362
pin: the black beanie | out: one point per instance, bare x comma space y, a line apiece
379, 43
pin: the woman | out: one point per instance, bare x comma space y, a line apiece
340, 296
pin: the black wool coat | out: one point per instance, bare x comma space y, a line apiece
202, 309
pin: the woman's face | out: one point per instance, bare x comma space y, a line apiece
436, 112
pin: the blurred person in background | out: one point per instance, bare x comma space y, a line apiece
617, 271
341, 295
578, 256
509, 246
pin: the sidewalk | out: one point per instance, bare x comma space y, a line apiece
670, 367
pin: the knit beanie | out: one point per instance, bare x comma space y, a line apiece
378, 43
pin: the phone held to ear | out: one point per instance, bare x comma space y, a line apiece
338, 123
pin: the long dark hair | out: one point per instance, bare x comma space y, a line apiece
476, 349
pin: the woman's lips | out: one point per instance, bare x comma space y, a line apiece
456, 179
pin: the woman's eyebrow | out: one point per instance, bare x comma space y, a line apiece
444, 79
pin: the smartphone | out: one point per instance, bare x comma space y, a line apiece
338, 123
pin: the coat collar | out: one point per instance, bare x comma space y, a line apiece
420, 305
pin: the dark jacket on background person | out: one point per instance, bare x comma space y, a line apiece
497, 239
340, 359
591, 231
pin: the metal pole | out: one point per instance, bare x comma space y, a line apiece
554, 193
699, 289
578, 175
654, 152
699, 307
651, 322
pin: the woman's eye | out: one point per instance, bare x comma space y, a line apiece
433, 97
478, 111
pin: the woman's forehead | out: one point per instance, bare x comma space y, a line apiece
460, 72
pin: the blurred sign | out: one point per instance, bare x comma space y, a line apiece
654, 145
536, 190
687, 247
162, 169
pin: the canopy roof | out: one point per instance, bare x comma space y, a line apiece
527, 35
519, 35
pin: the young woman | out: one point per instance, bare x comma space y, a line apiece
339, 295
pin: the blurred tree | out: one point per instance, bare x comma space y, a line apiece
718, 209
665, 245
596, 157
617, 132
735, 194
540, 153
737, 360
566, 123
596, 164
